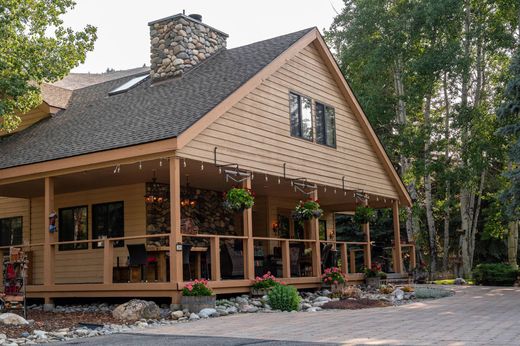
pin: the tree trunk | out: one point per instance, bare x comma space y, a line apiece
446, 242
428, 200
512, 244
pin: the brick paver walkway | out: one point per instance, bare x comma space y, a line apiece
474, 316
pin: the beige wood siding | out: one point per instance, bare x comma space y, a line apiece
28, 119
86, 266
255, 133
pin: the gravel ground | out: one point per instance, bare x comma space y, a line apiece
53, 321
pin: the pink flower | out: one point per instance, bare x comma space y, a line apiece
335, 282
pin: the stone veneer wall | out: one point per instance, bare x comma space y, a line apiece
180, 42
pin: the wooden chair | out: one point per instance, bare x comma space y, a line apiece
138, 258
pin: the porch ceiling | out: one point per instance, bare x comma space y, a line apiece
206, 176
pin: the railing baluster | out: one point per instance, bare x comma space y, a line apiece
215, 258
286, 259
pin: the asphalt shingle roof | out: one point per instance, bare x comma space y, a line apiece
95, 121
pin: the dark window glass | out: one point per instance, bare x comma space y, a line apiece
301, 116
108, 222
73, 227
11, 231
325, 125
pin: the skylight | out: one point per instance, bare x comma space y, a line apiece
128, 85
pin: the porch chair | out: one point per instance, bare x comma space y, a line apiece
138, 257
296, 252
186, 250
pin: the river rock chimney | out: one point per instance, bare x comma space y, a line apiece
179, 42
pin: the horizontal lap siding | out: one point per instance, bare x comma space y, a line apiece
255, 133
86, 266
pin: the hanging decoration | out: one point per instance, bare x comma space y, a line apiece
305, 211
156, 193
190, 198
52, 221
238, 199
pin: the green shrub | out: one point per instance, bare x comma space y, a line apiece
431, 293
495, 274
284, 298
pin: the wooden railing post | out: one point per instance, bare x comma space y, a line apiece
108, 261
215, 258
344, 259
48, 249
249, 247
398, 255
286, 259
352, 261
176, 274
315, 235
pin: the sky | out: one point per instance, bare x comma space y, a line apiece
123, 34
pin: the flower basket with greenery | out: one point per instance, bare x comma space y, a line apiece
333, 277
364, 215
307, 210
263, 284
374, 274
197, 295
237, 199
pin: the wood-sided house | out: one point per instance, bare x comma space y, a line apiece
142, 157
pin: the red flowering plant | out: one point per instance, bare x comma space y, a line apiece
197, 288
307, 210
376, 270
237, 199
333, 276
265, 281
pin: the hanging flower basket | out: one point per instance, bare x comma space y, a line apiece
307, 210
238, 199
364, 215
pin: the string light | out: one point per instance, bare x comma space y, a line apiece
252, 176
220, 170
334, 190
266, 178
117, 169
160, 162
184, 162
324, 189
344, 193
201, 165
140, 165
278, 180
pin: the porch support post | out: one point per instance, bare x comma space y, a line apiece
176, 275
108, 262
215, 258
48, 249
398, 256
368, 247
344, 259
249, 248
286, 259
315, 235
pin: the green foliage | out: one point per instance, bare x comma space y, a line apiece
29, 56
431, 293
364, 215
495, 274
238, 199
197, 288
285, 298
307, 210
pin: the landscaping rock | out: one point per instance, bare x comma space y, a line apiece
177, 314
247, 308
208, 312
194, 317
12, 319
398, 294
314, 309
137, 309
460, 281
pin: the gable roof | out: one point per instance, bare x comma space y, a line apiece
96, 122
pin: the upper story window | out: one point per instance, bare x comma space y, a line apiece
325, 125
73, 227
108, 222
11, 231
301, 116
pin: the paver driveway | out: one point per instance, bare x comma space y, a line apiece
474, 316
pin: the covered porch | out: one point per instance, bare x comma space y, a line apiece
144, 228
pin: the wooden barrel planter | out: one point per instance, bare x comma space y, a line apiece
197, 303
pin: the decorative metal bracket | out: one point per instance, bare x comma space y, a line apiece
361, 196
301, 185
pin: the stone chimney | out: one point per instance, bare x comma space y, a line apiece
180, 42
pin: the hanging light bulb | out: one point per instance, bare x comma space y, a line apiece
252, 176
266, 178
324, 189
334, 190
140, 165
201, 165
278, 180
160, 162
184, 162
220, 170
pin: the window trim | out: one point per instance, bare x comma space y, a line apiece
325, 105
119, 243
61, 246
300, 96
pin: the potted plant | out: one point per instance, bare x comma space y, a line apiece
197, 295
374, 274
307, 210
263, 284
333, 278
238, 199
364, 215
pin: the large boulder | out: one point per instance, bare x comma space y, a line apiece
12, 319
137, 309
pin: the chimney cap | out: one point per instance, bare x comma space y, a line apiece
175, 16
196, 16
